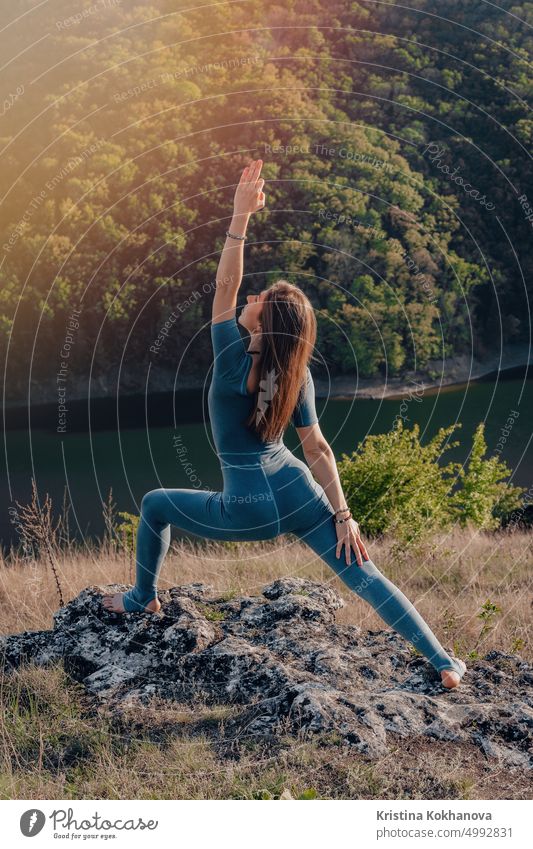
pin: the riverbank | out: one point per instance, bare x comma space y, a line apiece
451, 372
454, 371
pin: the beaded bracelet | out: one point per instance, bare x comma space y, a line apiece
340, 521
233, 236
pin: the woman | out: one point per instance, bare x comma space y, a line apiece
267, 490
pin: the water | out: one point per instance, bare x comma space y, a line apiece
166, 442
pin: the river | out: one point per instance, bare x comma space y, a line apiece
165, 441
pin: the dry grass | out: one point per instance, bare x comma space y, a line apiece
55, 744
448, 579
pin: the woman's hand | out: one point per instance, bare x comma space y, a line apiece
249, 196
349, 535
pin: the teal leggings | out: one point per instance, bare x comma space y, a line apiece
275, 495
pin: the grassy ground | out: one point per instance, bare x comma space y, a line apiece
471, 587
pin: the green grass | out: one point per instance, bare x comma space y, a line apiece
57, 744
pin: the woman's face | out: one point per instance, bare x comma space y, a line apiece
250, 316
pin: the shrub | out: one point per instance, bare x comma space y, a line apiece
393, 484
482, 499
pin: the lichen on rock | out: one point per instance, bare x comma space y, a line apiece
282, 660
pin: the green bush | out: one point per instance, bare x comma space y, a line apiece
483, 499
127, 530
393, 484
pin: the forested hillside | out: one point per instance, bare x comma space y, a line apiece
397, 150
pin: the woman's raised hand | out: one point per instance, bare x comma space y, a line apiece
249, 196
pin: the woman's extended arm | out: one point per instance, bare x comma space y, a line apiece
321, 460
249, 198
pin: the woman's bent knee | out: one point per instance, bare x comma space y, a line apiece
151, 501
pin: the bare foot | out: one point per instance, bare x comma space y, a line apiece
450, 678
113, 602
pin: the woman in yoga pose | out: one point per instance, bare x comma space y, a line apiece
268, 491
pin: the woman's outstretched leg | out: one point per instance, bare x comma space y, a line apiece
200, 512
385, 597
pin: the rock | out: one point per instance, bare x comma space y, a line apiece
281, 661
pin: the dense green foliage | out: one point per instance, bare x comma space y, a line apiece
394, 484
484, 496
364, 113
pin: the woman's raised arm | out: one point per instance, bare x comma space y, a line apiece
249, 198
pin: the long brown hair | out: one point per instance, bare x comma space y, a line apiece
288, 337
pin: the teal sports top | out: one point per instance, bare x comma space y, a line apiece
230, 403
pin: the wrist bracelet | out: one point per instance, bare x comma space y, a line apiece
340, 521
342, 510
233, 236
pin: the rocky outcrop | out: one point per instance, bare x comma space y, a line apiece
282, 661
